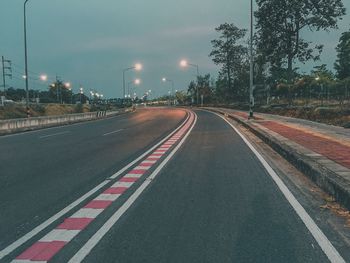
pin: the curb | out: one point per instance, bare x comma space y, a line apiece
315, 166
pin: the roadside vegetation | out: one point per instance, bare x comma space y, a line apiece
280, 86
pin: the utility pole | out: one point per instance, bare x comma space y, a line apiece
6, 71
57, 91
26, 56
251, 85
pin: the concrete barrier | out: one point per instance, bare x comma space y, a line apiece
25, 124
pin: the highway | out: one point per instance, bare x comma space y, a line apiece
157, 185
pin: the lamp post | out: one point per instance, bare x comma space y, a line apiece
26, 56
135, 82
318, 80
172, 85
251, 79
184, 63
81, 91
137, 67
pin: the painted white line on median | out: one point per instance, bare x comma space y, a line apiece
327, 247
96, 238
54, 134
64, 235
112, 132
49, 221
10, 248
150, 150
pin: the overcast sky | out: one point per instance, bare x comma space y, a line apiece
89, 42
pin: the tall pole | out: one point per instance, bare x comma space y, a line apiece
26, 58
197, 85
172, 90
251, 96
124, 70
3, 73
197, 67
124, 83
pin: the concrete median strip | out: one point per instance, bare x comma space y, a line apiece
49, 245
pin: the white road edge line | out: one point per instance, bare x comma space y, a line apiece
95, 239
10, 248
327, 247
54, 134
108, 133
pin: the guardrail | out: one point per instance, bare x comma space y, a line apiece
25, 124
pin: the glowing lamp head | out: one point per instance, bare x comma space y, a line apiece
137, 81
43, 77
138, 66
183, 63
164, 79
67, 85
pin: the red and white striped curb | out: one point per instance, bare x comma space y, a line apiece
48, 246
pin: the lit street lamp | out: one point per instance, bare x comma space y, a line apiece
26, 57
81, 91
172, 85
135, 82
136, 67
43, 77
251, 79
184, 63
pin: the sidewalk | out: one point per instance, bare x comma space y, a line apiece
321, 151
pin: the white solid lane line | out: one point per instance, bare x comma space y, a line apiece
68, 208
112, 132
327, 247
96, 238
54, 134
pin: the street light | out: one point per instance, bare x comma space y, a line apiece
137, 67
43, 77
135, 82
26, 56
81, 91
251, 78
184, 63
172, 83
318, 79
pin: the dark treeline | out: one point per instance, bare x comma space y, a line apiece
278, 47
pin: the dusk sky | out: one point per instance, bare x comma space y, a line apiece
89, 42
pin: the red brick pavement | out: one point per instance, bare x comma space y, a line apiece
332, 150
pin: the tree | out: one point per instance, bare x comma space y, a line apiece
279, 27
205, 87
61, 92
192, 89
227, 51
342, 65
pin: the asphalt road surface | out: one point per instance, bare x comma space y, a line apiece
205, 196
